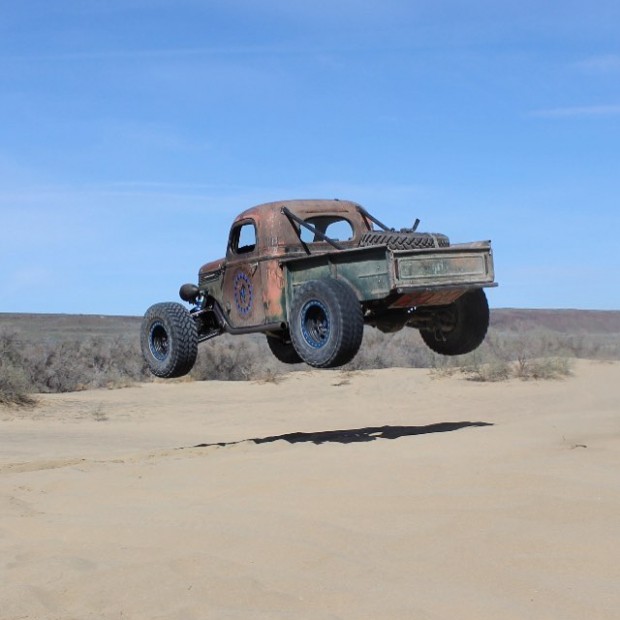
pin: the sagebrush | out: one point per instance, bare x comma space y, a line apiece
72, 363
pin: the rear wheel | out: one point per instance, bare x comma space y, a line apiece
462, 325
169, 340
326, 323
284, 350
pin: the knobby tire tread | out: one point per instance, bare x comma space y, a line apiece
470, 330
182, 333
405, 240
347, 312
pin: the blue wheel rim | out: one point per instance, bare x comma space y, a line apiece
159, 343
315, 325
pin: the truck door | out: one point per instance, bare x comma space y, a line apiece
243, 299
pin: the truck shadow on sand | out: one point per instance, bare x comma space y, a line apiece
354, 435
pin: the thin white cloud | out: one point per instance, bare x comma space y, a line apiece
578, 111
172, 53
604, 63
163, 53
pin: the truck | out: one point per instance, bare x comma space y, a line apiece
311, 274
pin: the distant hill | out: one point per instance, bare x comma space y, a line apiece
52, 327
55, 327
564, 321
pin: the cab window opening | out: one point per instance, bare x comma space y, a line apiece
243, 238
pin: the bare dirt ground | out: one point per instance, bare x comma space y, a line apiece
373, 495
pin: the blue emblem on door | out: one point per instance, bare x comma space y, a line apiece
243, 292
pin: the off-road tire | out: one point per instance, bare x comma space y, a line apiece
283, 350
466, 329
405, 240
169, 340
326, 323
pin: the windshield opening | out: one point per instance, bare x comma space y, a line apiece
336, 228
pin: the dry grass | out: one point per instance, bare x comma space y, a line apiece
270, 375
478, 367
15, 396
546, 368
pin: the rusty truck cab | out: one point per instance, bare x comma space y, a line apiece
277, 235
250, 281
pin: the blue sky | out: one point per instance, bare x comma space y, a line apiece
133, 131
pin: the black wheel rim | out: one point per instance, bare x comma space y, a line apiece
315, 325
159, 343
448, 320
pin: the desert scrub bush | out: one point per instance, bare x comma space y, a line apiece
269, 375
541, 342
15, 387
501, 360
93, 362
70, 365
497, 370
545, 368
403, 349
69, 361
486, 365
230, 358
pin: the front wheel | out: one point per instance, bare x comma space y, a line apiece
169, 340
463, 326
326, 323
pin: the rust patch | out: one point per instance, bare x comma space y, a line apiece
273, 291
213, 266
428, 298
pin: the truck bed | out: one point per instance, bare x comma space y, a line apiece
377, 272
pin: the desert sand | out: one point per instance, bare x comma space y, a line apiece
370, 495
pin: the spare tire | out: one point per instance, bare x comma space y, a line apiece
405, 240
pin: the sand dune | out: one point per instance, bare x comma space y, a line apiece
382, 494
